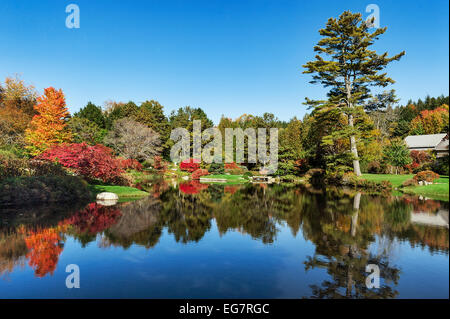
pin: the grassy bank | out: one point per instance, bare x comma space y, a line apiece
121, 191
396, 180
439, 190
229, 179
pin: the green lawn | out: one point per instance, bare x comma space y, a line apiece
230, 179
435, 191
396, 180
224, 176
439, 190
140, 176
121, 191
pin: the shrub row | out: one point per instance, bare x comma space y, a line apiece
21, 167
351, 180
42, 189
190, 165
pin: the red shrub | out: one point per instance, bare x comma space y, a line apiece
426, 176
192, 187
198, 173
419, 157
158, 163
129, 163
412, 167
231, 189
94, 162
94, 219
231, 165
190, 165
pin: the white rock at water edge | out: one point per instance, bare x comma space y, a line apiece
107, 196
107, 202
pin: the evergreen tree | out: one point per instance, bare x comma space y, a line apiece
290, 147
120, 111
351, 69
397, 154
184, 117
93, 113
86, 131
151, 113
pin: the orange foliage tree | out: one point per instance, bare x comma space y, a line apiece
431, 121
48, 127
44, 247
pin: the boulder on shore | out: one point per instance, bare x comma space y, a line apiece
107, 199
107, 196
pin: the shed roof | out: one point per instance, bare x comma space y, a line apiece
424, 141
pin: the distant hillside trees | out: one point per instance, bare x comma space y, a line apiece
431, 121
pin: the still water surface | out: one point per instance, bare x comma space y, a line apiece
253, 241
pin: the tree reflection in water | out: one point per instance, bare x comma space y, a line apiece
341, 224
342, 250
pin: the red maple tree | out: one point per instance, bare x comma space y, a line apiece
94, 162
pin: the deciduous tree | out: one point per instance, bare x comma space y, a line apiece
93, 162
16, 110
48, 127
431, 122
131, 139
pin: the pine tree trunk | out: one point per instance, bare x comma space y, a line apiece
356, 168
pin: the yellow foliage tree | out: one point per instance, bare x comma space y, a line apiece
48, 127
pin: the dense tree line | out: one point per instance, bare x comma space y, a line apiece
319, 140
352, 129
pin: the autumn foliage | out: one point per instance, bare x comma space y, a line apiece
192, 187
231, 165
198, 173
129, 163
94, 219
431, 121
44, 247
94, 162
48, 126
418, 159
426, 176
158, 163
190, 165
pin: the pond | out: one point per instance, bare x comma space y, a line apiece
242, 241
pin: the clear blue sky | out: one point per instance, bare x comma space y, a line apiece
227, 57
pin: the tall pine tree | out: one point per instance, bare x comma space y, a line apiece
346, 64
